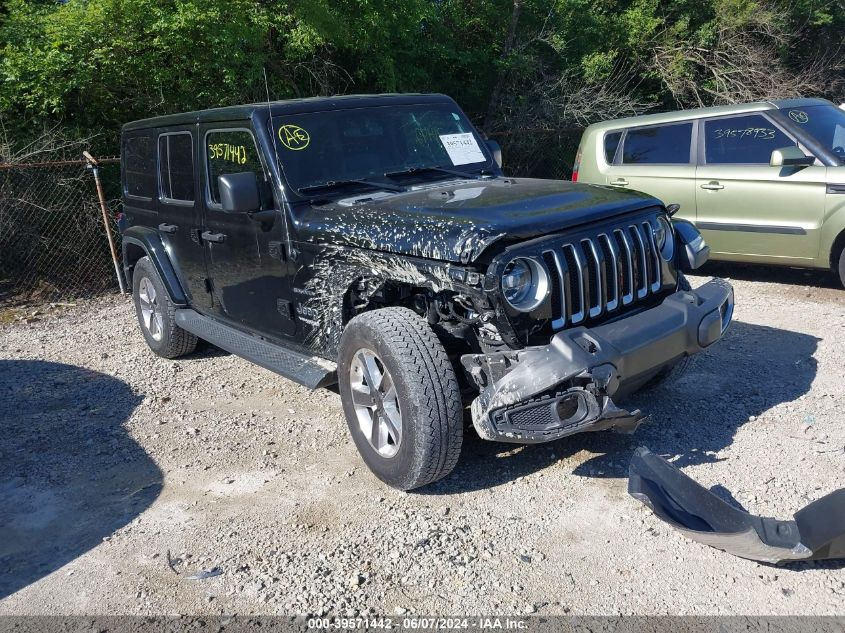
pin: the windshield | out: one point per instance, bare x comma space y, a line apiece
378, 144
826, 123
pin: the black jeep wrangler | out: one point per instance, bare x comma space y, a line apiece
373, 243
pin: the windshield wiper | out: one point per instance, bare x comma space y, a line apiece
342, 184
412, 171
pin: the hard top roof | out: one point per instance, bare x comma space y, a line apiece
699, 113
290, 106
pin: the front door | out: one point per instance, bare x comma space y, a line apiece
658, 160
244, 250
748, 210
179, 211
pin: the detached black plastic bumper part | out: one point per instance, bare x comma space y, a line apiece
816, 533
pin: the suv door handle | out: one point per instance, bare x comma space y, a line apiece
168, 228
713, 185
619, 182
208, 236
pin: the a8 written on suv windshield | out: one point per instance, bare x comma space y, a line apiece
370, 144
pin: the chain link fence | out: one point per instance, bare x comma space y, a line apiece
53, 242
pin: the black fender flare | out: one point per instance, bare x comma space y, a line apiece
149, 241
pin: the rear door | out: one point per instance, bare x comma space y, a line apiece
748, 210
658, 160
244, 250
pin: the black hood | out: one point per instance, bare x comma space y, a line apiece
456, 221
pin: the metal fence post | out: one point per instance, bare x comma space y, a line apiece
92, 164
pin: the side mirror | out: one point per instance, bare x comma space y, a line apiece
496, 150
790, 156
693, 252
239, 192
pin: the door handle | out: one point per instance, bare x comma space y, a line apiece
168, 228
713, 185
619, 182
208, 236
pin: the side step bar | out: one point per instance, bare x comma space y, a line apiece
309, 371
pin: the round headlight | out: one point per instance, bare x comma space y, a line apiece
664, 237
525, 284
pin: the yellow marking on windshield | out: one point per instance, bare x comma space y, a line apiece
294, 137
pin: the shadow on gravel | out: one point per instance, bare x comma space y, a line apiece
773, 274
71, 475
752, 369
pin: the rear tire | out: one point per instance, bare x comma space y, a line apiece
841, 266
156, 314
401, 397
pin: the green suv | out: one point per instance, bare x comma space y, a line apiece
764, 182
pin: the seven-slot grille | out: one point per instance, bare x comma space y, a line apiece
600, 274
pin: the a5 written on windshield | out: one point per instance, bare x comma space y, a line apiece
367, 143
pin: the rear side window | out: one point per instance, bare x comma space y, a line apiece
232, 152
139, 166
742, 140
176, 166
611, 143
661, 144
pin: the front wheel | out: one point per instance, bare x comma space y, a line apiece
841, 266
400, 397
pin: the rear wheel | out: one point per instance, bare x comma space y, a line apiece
400, 397
156, 313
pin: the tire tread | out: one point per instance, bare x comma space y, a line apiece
178, 342
438, 394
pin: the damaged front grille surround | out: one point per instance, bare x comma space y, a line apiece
596, 275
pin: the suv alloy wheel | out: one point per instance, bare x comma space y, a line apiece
400, 397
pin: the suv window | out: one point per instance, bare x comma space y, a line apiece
611, 143
139, 166
233, 152
176, 166
661, 144
746, 139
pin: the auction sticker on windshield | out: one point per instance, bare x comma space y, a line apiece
462, 148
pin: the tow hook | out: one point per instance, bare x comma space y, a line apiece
816, 532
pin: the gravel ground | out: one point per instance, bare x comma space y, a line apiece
124, 474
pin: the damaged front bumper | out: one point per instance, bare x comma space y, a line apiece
540, 394
816, 533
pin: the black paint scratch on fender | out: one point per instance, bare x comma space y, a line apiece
817, 531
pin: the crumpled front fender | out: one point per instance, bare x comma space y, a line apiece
817, 531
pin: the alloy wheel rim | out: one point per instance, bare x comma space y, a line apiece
151, 312
376, 403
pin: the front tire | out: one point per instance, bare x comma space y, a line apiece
156, 314
400, 397
840, 268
